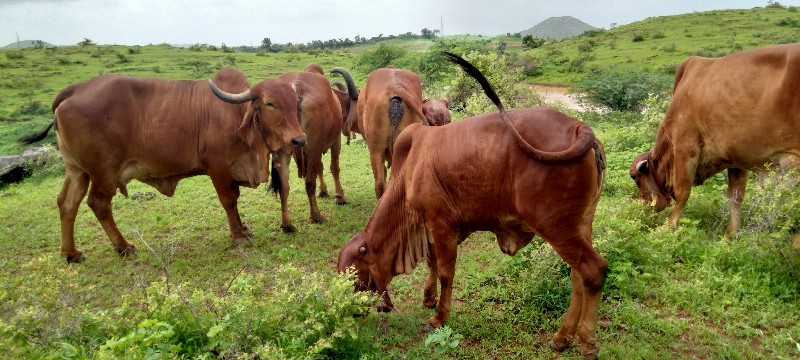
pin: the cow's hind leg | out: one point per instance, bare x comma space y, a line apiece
590, 267
737, 182
376, 159
76, 183
101, 192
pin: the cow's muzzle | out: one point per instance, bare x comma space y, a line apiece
299, 141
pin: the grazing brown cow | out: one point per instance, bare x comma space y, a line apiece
112, 129
319, 115
348, 98
533, 172
738, 112
437, 111
390, 101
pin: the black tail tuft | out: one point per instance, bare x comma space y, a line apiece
275, 178
396, 110
32, 138
471, 70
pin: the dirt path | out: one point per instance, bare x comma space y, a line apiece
556, 94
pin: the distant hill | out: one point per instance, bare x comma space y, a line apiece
558, 28
26, 44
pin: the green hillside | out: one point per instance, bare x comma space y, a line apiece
661, 43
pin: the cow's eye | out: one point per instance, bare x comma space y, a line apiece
270, 104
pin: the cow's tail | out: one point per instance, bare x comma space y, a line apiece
585, 134
396, 110
275, 183
600, 163
39, 135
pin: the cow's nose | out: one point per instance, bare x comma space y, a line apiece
299, 141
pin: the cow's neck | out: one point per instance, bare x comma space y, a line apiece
662, 158
397, 233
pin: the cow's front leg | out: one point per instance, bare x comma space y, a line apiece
429, 294
446, 253
280, 169
228, 194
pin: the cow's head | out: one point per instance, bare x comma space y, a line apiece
642, 172
352, 91
271, 116
372, 274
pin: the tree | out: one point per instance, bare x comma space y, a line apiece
428, 33
532, 42
86, 42
266, 43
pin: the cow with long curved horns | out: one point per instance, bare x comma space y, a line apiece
531, 172
112, 129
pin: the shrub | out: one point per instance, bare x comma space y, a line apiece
15, 55
638, 37
285, 313
135, 50
433, 68
383, 55
467, 95
622, 89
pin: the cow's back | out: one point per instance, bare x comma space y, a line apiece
475, 166
145, 128
741, 108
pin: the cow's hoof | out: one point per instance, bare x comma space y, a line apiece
318, 219
76, 258
288, 228
429, 303
249, 234
242, 241
559, 347
340, 200
323, 194
127, 251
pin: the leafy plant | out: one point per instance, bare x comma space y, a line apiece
443, 339
623, 89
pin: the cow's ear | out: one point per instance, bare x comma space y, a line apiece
248, 130
642, 168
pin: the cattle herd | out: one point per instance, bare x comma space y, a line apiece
515, 173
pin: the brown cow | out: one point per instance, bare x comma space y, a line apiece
536, 172
436, 111
738, 112
319, 114
390, 101
112, 129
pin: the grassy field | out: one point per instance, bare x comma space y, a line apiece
683, 294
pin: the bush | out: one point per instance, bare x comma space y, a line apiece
638, 37
15, 55
383, 55
531, 42
467, 95
623, 89
285, 313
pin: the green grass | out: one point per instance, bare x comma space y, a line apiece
683, 294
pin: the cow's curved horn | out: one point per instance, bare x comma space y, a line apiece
231, 98
339, 86
641, 167
362, 249
352, 90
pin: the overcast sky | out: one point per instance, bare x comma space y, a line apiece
247, 22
